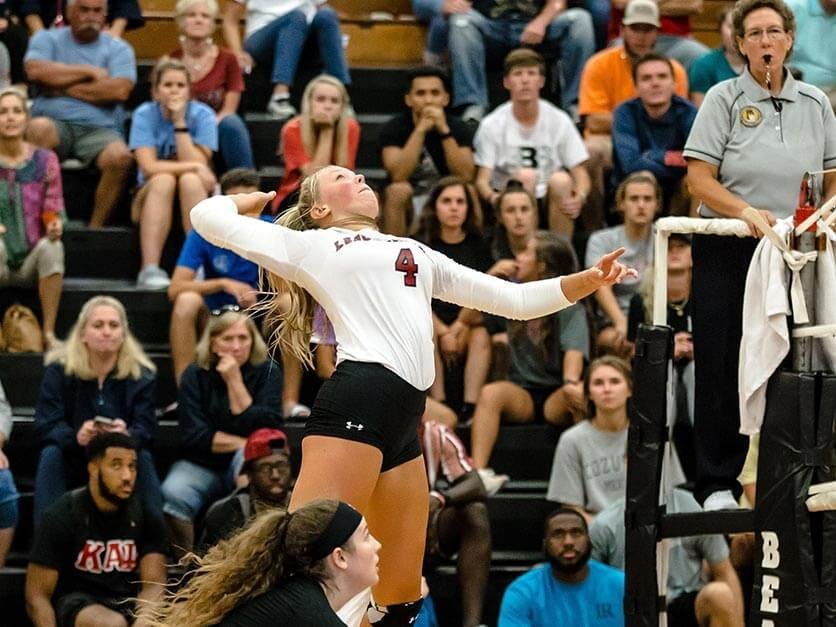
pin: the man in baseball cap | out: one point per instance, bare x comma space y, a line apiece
268, 469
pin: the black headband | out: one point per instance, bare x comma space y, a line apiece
344, 523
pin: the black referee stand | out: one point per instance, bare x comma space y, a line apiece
795, 550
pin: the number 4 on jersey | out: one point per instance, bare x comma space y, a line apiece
406, 263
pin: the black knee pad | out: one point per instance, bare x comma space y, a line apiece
400, 615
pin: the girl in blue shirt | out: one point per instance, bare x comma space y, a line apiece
173, 138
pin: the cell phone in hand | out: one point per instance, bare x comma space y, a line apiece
103, 421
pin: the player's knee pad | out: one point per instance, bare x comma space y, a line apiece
399, 615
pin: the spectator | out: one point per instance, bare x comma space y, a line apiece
491, 28
435, 14
15, 38
96, 544
545, 363
533, 141
80, 104
571, 589
722, 63
681, 403
227, 280
8, 492
458, 519
814, 49
276, 33
327, 133
267, 468
173, 138
516, 222
607, 81
232, 389
674, 40
649, 132
217, 80
638, 199
588, 471
31, 212
122, 15
420, 146
99, 381
691, 600
5, 66
450, 224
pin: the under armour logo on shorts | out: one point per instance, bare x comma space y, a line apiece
350, 425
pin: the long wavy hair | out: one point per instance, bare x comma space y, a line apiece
289, 312
429, 228
555, 258
274, 547
75, 358
340, 148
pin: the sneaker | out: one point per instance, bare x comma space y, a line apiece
473, 114
720, 500
493, 482
280, 108
152, 278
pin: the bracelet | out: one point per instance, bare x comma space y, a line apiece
571, 381
446, 135
436, 494
181, 129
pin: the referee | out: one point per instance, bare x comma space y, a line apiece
752, 141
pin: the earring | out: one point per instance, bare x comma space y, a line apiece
182, 39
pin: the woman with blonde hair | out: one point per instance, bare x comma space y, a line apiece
361, 443
31, 212
232, 389
99, 380
217, 80
283, 569
326, 133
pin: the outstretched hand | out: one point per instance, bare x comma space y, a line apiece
253, 202
609, 271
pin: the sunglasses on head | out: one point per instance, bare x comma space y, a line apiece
225, 309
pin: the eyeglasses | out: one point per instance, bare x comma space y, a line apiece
774, 33
267, 469
225, 309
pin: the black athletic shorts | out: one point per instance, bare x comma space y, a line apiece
68, 607
539, 397
682, 611
369, 403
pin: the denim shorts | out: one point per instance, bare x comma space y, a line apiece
8, 500
190, 488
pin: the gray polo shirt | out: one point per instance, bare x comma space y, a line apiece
762, 154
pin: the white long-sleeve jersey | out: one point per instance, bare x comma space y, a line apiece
375, 288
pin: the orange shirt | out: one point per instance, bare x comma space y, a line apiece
607, 81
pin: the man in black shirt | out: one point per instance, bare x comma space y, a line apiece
422, 145
267, 466
95, 545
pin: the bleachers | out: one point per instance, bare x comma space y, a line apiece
383, 39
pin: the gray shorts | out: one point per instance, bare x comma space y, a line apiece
45, 259
76, 141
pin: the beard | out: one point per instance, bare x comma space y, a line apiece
106, 494
570, 568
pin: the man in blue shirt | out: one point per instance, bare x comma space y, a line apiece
570, 589
83, 76
649, 132
228, 280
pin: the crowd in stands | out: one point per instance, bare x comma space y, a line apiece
584, 155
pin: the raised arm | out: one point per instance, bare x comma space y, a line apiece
457, 284
272, 246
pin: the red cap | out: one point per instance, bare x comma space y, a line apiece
262, 442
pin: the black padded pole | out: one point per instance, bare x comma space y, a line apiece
795, 443
647, 437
